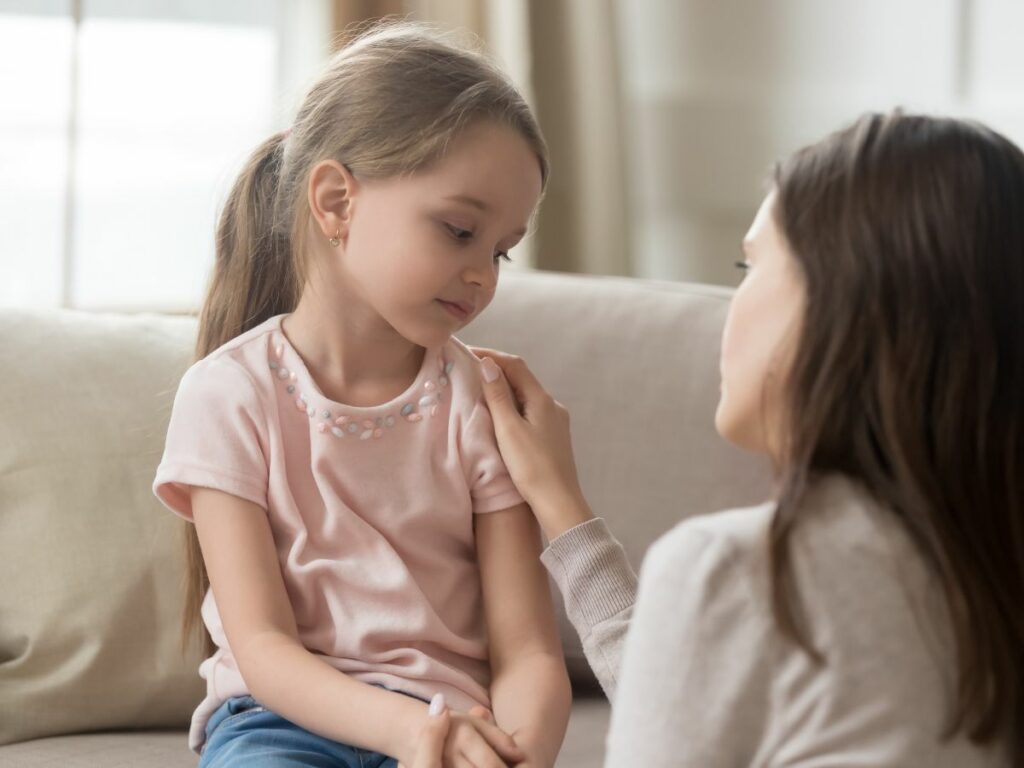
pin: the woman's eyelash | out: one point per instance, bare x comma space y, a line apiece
743, 265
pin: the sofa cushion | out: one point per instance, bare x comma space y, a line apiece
152, 749
91, 597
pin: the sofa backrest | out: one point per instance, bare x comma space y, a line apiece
91, 564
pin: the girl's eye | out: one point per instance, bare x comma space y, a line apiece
463, 235
458, 233
743, 265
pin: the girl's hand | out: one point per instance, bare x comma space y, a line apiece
485, 714
534, 438
475, 742
463, 740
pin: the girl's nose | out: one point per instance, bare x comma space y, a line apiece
483, 275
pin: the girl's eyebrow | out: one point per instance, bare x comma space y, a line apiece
468, 200
481, 206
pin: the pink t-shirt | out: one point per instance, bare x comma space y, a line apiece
371, 510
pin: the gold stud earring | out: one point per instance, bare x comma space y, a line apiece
336, 240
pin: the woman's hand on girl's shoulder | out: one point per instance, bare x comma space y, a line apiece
535, 440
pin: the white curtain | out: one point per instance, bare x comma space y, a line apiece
716, 92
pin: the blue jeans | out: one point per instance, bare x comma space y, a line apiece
243, 734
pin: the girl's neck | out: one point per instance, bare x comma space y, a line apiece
353, 354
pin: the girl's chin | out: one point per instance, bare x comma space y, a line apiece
433, 336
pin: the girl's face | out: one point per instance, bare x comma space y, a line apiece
424, 250
758, 343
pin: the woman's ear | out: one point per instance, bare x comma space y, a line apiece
332, 189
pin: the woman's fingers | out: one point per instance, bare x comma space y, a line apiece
430, 749
501, 401
524, 384
535, 442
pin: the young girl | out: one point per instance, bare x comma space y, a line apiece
365, 548
871, 613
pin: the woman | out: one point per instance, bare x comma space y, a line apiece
870, 613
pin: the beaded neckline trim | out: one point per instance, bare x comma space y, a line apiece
329, 421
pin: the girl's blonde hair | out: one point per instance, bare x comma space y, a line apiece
387, 104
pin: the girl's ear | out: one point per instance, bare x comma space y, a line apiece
332, 188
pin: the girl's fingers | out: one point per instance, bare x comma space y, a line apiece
500, 741
480, 755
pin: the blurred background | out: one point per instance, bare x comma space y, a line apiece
123, 122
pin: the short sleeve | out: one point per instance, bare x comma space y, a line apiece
215, 437
693, 688
490, 486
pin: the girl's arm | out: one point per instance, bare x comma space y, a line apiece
530, 692
241, 561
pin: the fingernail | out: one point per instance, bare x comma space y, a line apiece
490, 370
437, 705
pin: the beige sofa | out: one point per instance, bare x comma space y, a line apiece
90, 673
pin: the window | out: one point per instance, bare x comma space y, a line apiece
124, 126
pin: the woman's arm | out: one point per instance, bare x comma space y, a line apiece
530, 692
587, 563
241, 561
598, 586
698, 661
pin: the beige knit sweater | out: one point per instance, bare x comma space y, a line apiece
704, 677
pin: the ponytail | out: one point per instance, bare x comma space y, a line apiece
255, 277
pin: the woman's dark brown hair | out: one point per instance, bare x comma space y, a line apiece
909, 373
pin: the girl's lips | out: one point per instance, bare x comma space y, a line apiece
455, 310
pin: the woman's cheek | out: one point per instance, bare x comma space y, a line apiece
731, 397
748, 343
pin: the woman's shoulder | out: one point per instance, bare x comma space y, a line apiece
729, 534
836, 512
841, 527
716, 554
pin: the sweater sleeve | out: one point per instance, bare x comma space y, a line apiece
598, 586
695, 679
